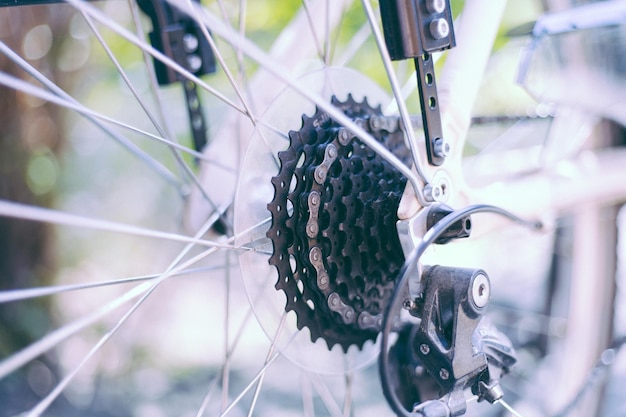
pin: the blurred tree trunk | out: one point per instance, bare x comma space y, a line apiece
28, 127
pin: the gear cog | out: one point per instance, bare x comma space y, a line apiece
333, 231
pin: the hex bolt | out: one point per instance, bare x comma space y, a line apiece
444, 374
439, 28
194, 62
409, 304
441, 148
196, 122
432, 193
435, 6
424, 349
190, 42
481, 290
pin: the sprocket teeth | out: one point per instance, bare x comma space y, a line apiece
352, 206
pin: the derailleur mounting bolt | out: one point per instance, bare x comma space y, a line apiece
439, 28
481, 290
435, 6
441, 148
432, 193
444, 374
190, 42
409, 304
425, 349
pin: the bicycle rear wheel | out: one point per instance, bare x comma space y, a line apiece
194, 345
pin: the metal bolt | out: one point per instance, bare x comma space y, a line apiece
439, 28
432, 193
425, 349
441, 148
194, 62
481, 290
196, 122
435, 6
444, 374
409, 304
190, 42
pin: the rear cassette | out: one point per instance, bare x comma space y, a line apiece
333, 231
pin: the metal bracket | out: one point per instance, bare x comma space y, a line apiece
178, 36
415, 29
453, 304
436, 147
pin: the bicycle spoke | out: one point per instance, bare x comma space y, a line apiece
266, 61
30, 89
226, 366
151, 287
270, 352
269, 360
118, 67
326, 396
53, 339
132, 38
356, 42
29, 293
307, 395
207, 397
70, 102
347, 401
25, 212
413, 143
321, 53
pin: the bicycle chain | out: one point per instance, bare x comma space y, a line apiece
333, 230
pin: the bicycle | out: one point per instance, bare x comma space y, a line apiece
324, 146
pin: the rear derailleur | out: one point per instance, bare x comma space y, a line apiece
451, 350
